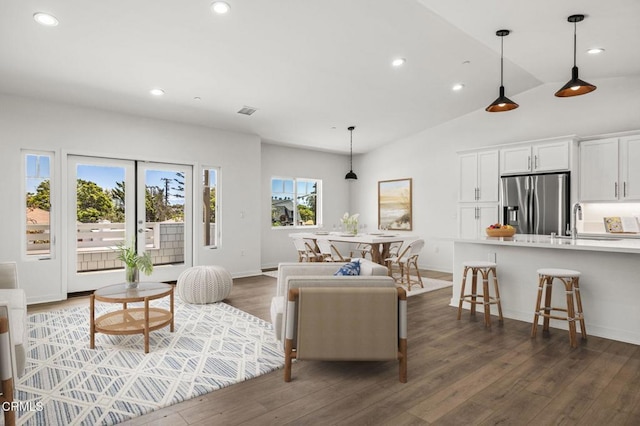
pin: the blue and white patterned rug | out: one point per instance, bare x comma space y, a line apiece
213, 346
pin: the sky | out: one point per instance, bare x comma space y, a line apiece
38, 169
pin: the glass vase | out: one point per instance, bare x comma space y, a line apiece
351, 228
131, 277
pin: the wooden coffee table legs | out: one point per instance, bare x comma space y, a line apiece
131, 320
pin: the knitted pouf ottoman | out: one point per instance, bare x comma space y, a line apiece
204, 284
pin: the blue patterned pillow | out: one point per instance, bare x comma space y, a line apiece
351, 268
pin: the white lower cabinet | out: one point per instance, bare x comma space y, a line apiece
474, 218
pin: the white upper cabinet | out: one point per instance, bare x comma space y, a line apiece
599, 170
610, 169
479, 176
630, 167
535, 158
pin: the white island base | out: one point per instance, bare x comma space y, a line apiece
609, 284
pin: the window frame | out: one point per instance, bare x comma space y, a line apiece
295, 180
53, 204
218, 228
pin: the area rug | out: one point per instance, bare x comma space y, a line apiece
430, 284
66, 383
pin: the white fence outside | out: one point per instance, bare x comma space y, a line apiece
97, 243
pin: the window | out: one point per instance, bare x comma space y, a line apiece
295, 202
210, 206
38, 203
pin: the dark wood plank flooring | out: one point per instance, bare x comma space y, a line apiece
459, 374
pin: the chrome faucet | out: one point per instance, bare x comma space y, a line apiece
576, 212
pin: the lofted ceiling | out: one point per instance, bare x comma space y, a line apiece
310, 68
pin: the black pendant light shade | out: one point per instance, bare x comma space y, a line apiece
351, 175
575, 86
502, 103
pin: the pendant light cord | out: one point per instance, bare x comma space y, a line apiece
351, 150
501, 58
575, 43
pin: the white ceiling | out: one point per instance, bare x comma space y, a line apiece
311, 68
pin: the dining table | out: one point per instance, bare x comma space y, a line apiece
378, 241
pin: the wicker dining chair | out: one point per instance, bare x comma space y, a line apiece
306, 252
405, 263
330, 252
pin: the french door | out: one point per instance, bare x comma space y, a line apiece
113, 202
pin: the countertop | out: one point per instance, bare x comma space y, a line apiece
590, 243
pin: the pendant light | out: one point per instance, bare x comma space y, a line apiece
351, 175
502, 103
575, 86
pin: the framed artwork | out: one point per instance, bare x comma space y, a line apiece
394, 204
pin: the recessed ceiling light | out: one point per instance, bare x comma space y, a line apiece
398, 62
220, 7
45, 19
156, 92
197, 98
595, 50
457, 87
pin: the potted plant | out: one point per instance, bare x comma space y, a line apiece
133, 263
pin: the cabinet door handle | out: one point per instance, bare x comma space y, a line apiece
535, 158
615, 192
624, 189
529, 162
477, 213
477, 193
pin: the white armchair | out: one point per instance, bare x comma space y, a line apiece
13, 305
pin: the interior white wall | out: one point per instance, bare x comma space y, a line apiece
430, 157
281, 161
39, 125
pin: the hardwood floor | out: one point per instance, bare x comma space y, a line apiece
459, 373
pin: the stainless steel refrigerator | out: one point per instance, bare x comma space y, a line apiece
536, 204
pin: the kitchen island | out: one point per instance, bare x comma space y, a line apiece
609, 284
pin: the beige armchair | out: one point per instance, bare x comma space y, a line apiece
13, 305
347, 324
6, 374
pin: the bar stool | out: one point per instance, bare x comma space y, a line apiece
485, 269
570, 279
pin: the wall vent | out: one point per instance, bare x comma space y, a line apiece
247, 110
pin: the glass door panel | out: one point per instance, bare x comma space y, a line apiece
101, 216
164, 217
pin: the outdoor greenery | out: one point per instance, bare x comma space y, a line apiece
96, 204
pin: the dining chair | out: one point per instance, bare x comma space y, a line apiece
362, 250
330, 252
306, 252
406, 262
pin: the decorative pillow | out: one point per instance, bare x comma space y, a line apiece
351, 268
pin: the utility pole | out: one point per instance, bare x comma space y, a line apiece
166, 190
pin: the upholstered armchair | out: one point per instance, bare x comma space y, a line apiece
347, 324
13, 305
6, 374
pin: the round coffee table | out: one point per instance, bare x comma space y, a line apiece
138, 320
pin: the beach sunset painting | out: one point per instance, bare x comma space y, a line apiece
394, 204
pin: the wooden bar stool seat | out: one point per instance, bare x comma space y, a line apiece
484, 269
571, 281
